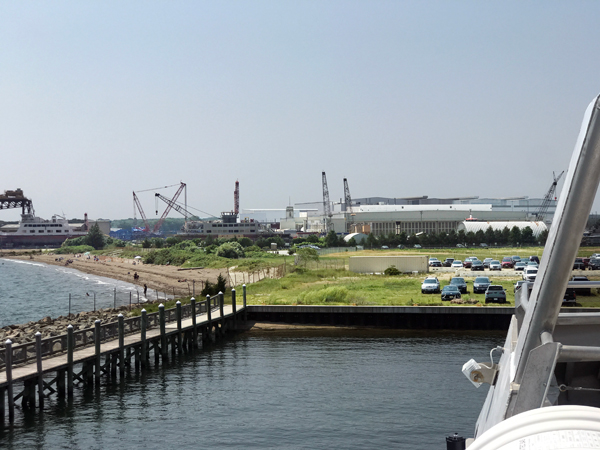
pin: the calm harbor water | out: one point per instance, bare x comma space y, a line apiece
32, 290
350, 389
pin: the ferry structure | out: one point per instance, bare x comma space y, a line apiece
545, 388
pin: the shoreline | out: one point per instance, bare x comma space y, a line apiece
166, 279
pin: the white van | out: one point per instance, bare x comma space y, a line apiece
530, 273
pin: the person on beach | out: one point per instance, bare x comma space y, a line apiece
145, 289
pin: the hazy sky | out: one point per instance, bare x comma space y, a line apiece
437, 98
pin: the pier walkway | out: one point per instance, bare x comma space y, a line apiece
56, 365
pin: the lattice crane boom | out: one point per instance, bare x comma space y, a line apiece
176, 206
326, 205
169, 207
136, 203
541, 213
348, 202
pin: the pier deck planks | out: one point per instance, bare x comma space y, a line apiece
88, 353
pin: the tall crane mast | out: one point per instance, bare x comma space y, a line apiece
348, 202
136, 203
169, 206
541, 212
326, 205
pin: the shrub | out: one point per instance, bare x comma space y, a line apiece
231, 250
391, 271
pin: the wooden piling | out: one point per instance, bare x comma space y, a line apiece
179, 335
144, 326
70, 348
233, 306
60, 383
221, 327
194, 329
244, 303
208, 310
11, 397
2, 400
121, 345
40, 377
163, 331
97, 341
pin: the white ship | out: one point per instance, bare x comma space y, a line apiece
545, 389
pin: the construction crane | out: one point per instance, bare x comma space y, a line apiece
176, 206
170, 204
348, 202
326, 205
541, 212
136, 203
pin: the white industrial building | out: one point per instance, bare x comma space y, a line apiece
379, 215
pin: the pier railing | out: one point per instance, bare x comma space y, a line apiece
26, 352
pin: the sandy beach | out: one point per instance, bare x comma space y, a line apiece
169, 279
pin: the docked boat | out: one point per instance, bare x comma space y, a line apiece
545, 388
35, 232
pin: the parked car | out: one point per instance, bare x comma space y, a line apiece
530, 273
417, 246
496, 294
534, 258
520, 265
384, 247
582, 290
468, 261
495, 265
434, 262
448, 262
570, 298
481, 284
519, 284
486, 262
578, 264
477, 265
430, 285
594, 264
516, 258
507, 262
460, 283
483, 244
460, 246
457, 264
450, 292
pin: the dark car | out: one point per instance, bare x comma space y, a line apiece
534, 258
460, 283
578, 264
481, 284
507, 262
435, 263
450, 292
486, 262
570, 297
448, 262
582, 290
477, 265
594, 264
515, 258
495, 294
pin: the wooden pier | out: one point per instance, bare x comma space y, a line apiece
56, 365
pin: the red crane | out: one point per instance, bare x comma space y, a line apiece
169, 206
136, 202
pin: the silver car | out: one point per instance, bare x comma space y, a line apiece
430, 285
495, 265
